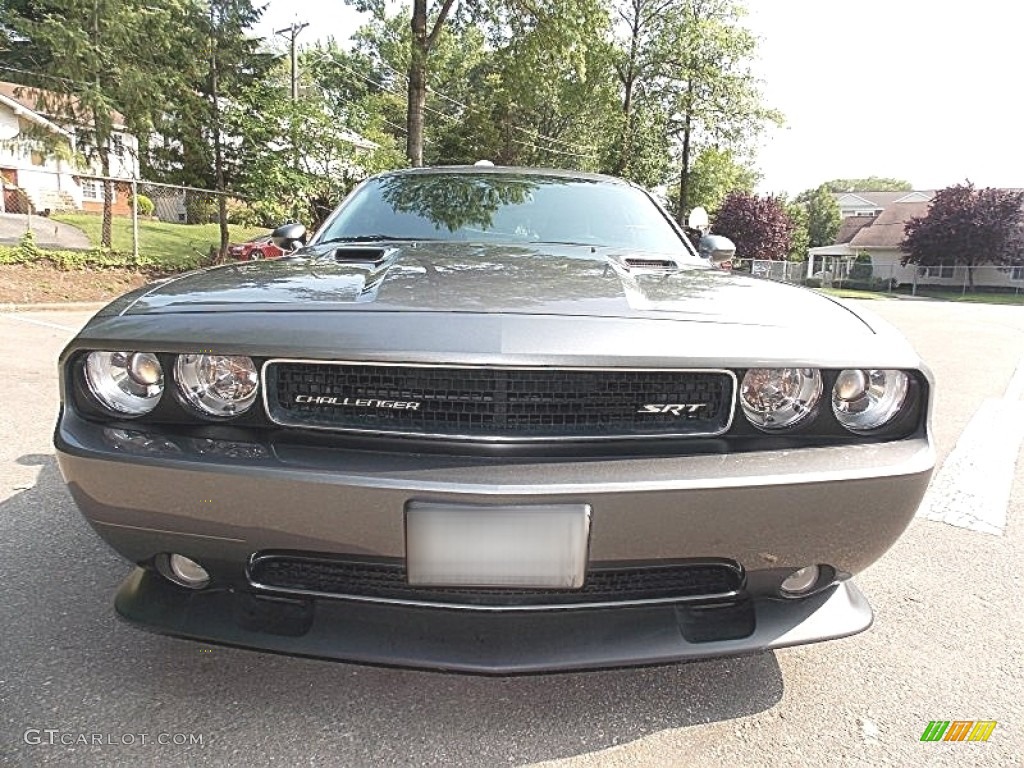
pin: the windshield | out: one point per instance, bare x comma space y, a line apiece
504, 208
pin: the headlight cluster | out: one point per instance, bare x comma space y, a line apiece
132, 383
866, 400
128, 383
776, 399
779, 398
217, 385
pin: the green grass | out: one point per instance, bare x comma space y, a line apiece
161, 244
847, 293
981, 297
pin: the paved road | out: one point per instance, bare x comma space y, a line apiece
948, 641
49, 233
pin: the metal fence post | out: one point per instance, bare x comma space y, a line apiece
135, 221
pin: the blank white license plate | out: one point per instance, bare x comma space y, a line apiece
501, 546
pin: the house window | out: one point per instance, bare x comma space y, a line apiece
1017, 273
92, 189
939, 270
117, 144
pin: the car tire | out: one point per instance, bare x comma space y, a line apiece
255, 254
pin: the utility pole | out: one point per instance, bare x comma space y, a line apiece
291, 33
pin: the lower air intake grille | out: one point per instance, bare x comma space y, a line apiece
498, 403
387, 581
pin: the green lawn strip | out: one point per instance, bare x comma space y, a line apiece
847, 293
161, 244
981, 297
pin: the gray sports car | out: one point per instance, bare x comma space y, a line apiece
493, 420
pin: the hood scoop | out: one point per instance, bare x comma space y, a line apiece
362, 254
647, 264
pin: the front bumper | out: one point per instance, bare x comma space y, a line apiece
219, 503
481, 643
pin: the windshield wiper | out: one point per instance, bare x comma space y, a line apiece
370, 239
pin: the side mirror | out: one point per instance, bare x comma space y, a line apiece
288, 237
716, 248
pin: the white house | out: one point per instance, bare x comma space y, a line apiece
34, 173
879, 236
873, 203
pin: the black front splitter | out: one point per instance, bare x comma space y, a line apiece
488, 642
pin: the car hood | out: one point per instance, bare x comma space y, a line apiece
490, 279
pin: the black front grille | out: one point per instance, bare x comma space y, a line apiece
504, 403
387, 581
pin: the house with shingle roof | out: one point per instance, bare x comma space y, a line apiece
873, 203
877, 233
35, 173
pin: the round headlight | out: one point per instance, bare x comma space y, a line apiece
217, 385
127, 383
868, 399
778, 398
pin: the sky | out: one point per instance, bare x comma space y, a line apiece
930, 92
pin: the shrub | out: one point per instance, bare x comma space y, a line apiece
200, 208
862, 268
267, 213
245, 216
812, 282
146, 206
28, 246
27, 252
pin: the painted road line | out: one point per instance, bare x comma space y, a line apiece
972, 489
33, 321
1015, 389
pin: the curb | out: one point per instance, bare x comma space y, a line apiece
67, 306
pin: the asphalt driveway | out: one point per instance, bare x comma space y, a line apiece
49, 233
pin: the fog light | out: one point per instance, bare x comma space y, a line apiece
187, 572
802, 581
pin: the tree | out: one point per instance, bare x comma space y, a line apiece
304, 155
425, 25
230, 52
713, 95
89, 58
869, 184
800, 238
716, 173
199, 127
822, 214
967, 227
422, 43
640, 63
520, 83
551, 82
759, 226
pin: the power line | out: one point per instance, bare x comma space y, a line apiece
46, 77
536, 135
453, 119
350, 103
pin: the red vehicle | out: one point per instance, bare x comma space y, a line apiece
255, 249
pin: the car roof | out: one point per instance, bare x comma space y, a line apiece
505, 170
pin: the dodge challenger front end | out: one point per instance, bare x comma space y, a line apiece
493, 420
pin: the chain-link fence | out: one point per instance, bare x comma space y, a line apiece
893, 277
171, 225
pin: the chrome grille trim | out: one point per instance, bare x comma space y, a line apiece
497, 438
